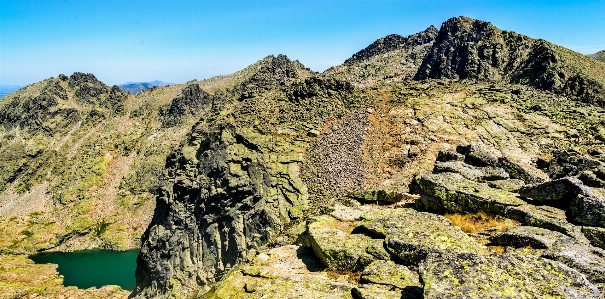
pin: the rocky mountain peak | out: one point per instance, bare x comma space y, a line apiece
473, 49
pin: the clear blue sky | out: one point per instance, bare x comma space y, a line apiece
177, 41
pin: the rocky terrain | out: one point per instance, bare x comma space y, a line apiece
465, 160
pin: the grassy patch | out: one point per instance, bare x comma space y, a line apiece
476, 222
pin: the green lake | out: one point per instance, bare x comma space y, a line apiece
94, 268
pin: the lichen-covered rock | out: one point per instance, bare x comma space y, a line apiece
596, 235
569, 163
447, 275
374, 291
488, 173
227, 191
338, 250
190, 102
591, 179
521, 236
522, 171
476, 154
569, 193
411, 235
389, 273
545, 217
452, 192
588, 209
512, 185
559, 247
282, 272
563, 189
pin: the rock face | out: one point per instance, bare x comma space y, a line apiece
472, 49
501, 276
190, 102
226, 194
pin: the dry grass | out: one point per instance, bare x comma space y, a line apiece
480, 222
352, 277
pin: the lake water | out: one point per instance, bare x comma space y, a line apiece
94, 268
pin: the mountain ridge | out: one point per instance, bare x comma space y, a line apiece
210, 173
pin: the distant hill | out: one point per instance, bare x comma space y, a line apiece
6, 89
137, 87
599, 55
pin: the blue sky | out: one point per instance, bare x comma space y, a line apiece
177, 41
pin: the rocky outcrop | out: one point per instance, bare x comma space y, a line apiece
88, 88
556, 246
501, 276
190, 102
277, 71
284, 272
227, 192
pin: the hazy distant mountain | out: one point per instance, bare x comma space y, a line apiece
6, 89
137, 87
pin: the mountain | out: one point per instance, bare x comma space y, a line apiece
136, 87
6, 89
472, 49
599, 55
376, 178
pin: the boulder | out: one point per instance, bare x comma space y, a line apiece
476, 154
596, 235
283, 272
337, 249
452, 192
554, 191
590, 179
588, 209
545, 217
522, 171
569, 163
411, 235
390, 274
559, 247
466, 275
